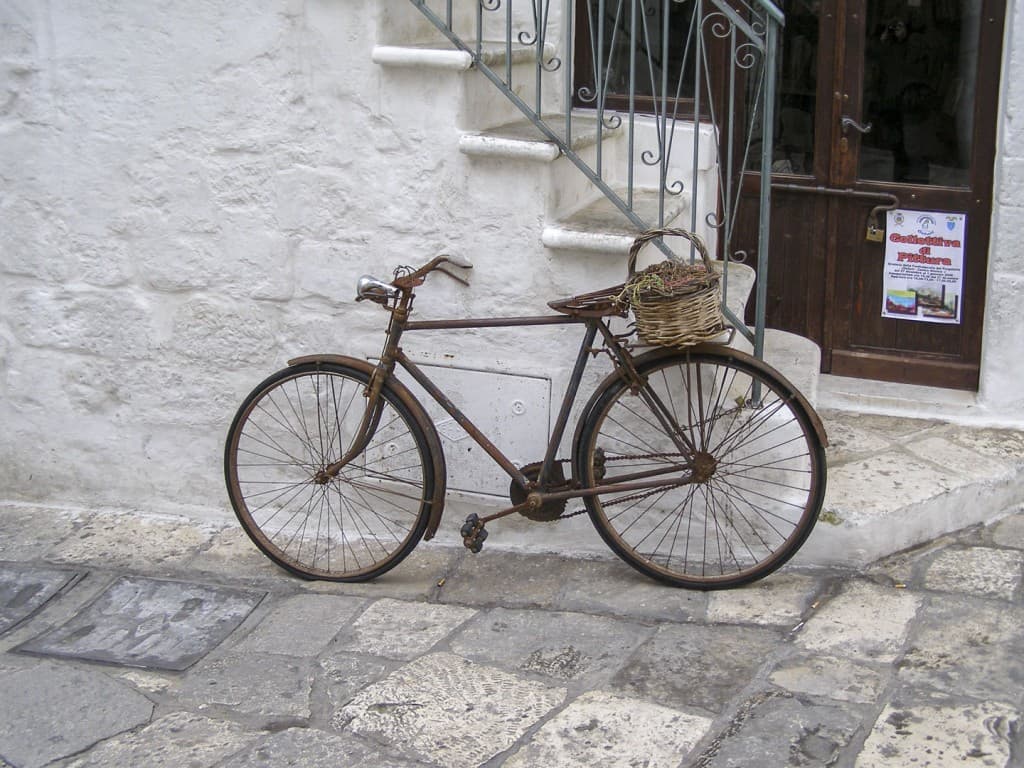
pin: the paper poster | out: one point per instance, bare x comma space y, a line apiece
924, 266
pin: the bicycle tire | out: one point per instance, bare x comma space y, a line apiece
740, 511
365, 520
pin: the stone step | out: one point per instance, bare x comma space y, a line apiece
400, 23
448, 57
893, 484
524, 155
797, 358
896, 483
600, 227
523, 139
426, 83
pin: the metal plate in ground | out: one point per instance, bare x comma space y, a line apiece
24, 589
141, 622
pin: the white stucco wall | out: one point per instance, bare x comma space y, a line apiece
188, 192
1001, 394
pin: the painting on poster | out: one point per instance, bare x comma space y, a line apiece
924, 266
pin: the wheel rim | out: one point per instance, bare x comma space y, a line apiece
750, 450
358, 523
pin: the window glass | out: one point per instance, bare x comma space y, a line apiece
920, 66
795, 99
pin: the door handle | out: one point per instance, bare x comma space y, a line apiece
846, 123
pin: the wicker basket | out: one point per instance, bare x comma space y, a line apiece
674, 304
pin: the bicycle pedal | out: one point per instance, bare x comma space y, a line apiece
473, 533
471, 525
478, 542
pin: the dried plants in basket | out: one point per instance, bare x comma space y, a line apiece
675, 304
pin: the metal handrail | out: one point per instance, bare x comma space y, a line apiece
750, 37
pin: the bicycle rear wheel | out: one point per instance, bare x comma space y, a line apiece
743, 465
355, 526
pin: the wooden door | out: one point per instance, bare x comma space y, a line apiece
882, 104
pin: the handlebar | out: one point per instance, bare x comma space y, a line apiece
380, 292
418, 276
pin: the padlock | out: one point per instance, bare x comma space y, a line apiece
874, 234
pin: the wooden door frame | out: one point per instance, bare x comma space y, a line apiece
921, 367
840, 91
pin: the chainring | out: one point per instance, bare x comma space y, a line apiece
549, 510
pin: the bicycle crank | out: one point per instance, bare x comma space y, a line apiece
548, 510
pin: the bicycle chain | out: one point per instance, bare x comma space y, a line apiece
631, 497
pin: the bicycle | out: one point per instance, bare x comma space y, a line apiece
700, 467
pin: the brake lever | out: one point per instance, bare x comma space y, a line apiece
459, 261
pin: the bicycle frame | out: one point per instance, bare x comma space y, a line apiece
535, 490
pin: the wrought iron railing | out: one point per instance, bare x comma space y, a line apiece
703, 69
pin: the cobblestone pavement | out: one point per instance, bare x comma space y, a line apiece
128, 640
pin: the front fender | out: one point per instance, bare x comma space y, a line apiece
423, 421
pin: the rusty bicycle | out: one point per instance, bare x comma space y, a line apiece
700, 467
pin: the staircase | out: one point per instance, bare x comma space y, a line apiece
478, 75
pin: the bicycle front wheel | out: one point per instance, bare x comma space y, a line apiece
742, 466
355, 526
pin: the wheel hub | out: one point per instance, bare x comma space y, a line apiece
704, 466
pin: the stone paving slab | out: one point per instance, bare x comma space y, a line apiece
559, 646
52, 711
344, 674
967, 647
29, 532
981, 571
781, 730
949, 454
25, 589
396, 629
511, 580
602, 729
148, 623
179, 739
302, 625
415, 578
307, 748
864, 621
450, 711
897, 483
830, 677
780, 601
696, 666
944, 736
611, 587
1009, 532
132, 542
272, 689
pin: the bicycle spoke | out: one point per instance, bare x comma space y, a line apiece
751, 489
355, 525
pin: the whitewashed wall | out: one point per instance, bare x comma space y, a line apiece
188, 192
1001, 393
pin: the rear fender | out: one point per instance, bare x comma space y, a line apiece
409, 400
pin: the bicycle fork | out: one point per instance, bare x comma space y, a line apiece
374, 403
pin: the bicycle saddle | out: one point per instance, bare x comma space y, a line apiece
603, 303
